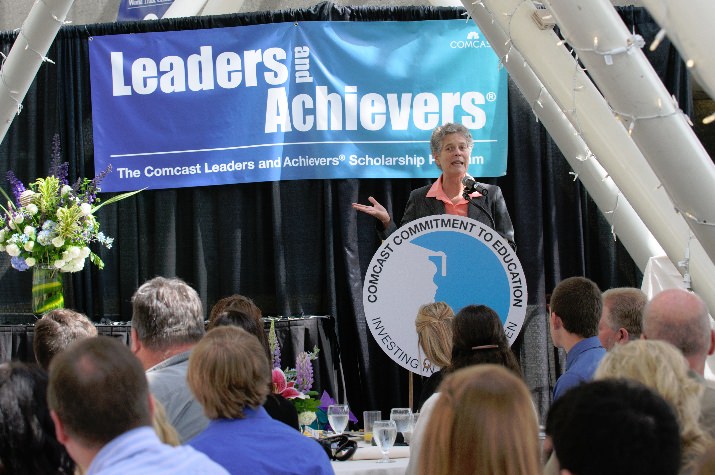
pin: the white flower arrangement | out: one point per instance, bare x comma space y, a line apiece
51, 223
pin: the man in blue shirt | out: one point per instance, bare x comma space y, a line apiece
575, 312
100, 403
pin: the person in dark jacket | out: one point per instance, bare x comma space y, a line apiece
451, 146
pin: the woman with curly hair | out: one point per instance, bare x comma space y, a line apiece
660, 366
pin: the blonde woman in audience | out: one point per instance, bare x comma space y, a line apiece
661, 367
483, 423
706, 465
434, 335
163, 428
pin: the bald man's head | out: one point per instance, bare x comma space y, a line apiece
681, 318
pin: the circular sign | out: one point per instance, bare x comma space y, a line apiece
444, 258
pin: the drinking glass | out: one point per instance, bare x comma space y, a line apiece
402, 417
415, 418
369, 418
384, 433
407, 434
338, 417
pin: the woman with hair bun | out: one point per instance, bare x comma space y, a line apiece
434, 336
479, 338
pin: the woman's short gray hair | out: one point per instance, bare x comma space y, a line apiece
449, 128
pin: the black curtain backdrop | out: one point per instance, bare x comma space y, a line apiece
297, 247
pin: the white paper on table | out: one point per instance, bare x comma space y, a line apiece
374, 453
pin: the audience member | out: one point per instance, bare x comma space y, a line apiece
434, 336
236, 302
477, 338
483, 423
100, 402
706, 465
163, 428
56, 330
573, 322
614, 427
167, 321
660, 366
27, 434
229, 375
278, 407
682, 319
622, 316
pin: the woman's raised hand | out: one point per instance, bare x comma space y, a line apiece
376, 210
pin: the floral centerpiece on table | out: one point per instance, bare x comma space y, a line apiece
50, 224
295, 384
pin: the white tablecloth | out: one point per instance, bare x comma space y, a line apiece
370, 467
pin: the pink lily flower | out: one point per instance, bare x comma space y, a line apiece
284, 387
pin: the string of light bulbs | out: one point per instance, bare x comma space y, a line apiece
574, 121
673, 33
684, 265
572, 115
8, 91
671, 109
632, 43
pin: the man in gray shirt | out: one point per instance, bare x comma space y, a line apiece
167, 321
682, 318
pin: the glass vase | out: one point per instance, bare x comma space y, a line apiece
46, 289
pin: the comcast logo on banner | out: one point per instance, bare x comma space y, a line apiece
439, 258
473, 40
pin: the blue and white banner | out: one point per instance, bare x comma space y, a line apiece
130, 10
285, 101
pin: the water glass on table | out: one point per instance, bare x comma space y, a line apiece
369, 418
403, 418
338, 415
384, 434
415, 417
